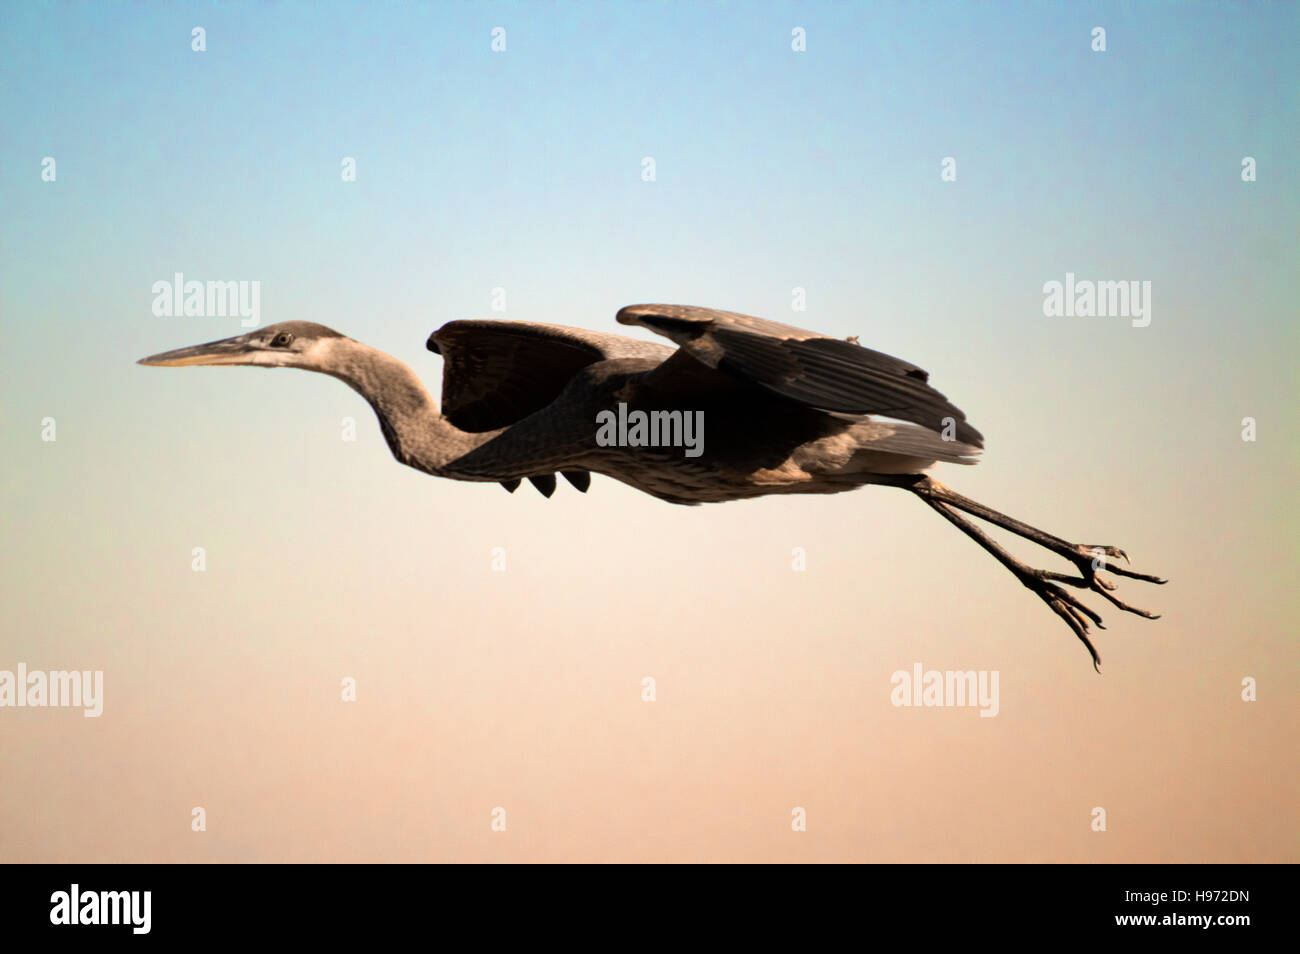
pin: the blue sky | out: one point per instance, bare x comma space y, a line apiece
521, 168
775, 169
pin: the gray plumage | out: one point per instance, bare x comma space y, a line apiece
784, 410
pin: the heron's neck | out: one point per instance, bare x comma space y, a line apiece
418, 435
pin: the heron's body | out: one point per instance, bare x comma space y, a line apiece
777, 409
753, 443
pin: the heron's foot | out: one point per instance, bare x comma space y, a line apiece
1090, 561
1063, 603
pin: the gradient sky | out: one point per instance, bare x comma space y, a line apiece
522, 689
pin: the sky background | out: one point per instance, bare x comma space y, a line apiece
521, 689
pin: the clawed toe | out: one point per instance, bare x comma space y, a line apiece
1091, 559
1092, 551
1075, 620
1101, 586
1087, 560
1069, 608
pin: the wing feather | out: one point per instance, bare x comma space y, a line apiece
803, 366
497, 372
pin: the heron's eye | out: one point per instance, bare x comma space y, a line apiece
281, 340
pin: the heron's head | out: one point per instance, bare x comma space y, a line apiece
290, 344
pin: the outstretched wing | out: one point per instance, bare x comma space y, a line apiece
497, 372
803, 366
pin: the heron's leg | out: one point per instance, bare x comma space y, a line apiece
1065, 605
1082, 555
1084, 558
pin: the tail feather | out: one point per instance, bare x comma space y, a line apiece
912, 440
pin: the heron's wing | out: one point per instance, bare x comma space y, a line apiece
497, 372
803, 366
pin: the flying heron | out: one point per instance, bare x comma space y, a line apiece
787, 411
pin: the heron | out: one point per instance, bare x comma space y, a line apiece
787, 411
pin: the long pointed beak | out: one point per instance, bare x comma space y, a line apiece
226, 351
